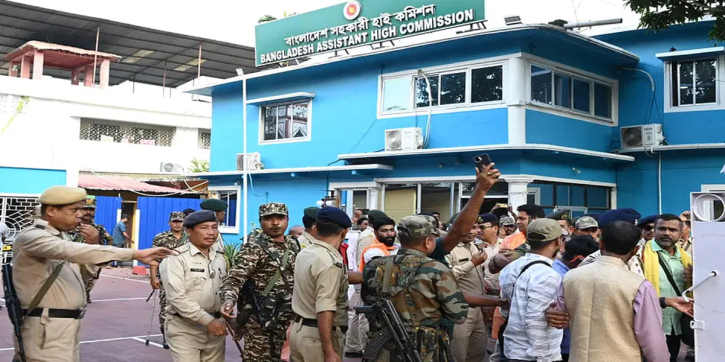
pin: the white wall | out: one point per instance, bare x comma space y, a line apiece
46, 134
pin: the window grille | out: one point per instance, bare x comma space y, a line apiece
17, 213
122, 132
204, 139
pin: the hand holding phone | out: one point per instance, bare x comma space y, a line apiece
482, 161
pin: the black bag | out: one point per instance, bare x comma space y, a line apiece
502, 329
688, 334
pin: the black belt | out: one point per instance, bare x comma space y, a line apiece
57, 313
313, 323
216, 315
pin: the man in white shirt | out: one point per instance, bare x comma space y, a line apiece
532, 285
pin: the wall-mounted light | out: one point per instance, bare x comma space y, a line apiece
576, 170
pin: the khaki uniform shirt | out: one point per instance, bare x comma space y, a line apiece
469, 277
305, 239
491, 280
320, 283
39, 248
192, 282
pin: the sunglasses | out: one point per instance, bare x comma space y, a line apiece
648, 227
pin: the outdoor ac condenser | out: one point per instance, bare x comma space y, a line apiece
253, 161
403, 139
168, 167
642, 136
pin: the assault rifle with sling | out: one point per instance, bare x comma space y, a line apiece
393, 331
15, 311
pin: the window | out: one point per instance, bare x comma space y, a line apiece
455, 88
122, 132
286, 121
204, 142
230, 195
694, 82
571, 92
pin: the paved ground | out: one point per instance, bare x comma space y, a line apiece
116, 323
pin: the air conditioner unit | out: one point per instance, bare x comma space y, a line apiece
253, 161
642, 136
403, 139
168, 167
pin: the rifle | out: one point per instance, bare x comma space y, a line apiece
393, 330
15, 311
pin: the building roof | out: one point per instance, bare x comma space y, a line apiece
606, 51
60, 56
145, 52
39, 45
118, 183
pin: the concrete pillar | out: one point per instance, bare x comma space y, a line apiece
518, 190
88, 82
25, 67
105, 72
74, 77
11, 72
38, 60
516, 96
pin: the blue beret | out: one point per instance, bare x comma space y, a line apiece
484, 218
647, 220
198, 217
628, 215
334, 215
593, 215
214, 205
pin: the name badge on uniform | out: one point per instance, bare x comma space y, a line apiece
463, 260
197, 270
339, 265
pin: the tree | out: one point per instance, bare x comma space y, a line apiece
660, 14
199, 166
266, 18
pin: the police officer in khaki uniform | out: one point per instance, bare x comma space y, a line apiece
320, 292
50, 332
194, 328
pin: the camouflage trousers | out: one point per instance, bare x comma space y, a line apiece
90, 280
162, 306
261, 346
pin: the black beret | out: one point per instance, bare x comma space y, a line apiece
334, 215
559, 215
593, 215
188, 212
376, 214
484, 218
647, 220
311, 212
198, 217
214, 205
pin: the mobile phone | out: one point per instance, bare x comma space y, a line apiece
482, 161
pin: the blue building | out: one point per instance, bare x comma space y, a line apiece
549, 106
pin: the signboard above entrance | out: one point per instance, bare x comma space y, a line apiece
357, 23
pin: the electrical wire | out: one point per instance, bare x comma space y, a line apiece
652, 82
254, 192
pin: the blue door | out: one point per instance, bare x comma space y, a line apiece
108, 210
154, 216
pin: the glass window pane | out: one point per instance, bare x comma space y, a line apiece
230, 197
453, 88
436, 197
597, 197
400, 200
602, 100
270, 123
705, 81
487, 84
396, 94
581, 95
563, 90
421, 91
577, 196
686, 86
540, 85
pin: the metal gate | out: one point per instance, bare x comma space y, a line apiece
153, 216
17, 213
108, 211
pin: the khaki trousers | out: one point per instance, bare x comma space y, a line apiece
305, 344
47, 340
357, 335
189, 343
470, 339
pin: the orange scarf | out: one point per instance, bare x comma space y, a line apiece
375, 245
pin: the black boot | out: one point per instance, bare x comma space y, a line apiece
163, 338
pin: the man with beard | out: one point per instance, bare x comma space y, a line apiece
171, 239
466, 261
267, 262
384, 244
89, 213
662, 256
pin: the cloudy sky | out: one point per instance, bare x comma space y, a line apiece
233, 21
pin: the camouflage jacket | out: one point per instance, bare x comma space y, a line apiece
258, 260
103, 237
423, 290
167, 239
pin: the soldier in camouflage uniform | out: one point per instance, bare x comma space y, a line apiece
89, 213
423, 290
260, 261
171, 239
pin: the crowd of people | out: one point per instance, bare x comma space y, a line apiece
601, 287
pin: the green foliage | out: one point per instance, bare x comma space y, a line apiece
231, 251
21, 105
199, 166
266, 18
660, 14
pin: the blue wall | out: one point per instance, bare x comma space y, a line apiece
226, 130
29, 180
547, 128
